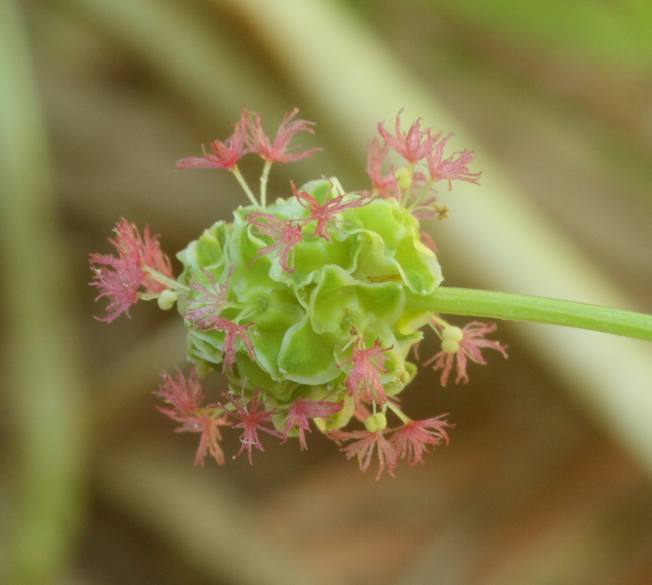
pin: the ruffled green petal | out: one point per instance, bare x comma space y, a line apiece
250, 271
205, 345
251, 376
307, 357
339, 301
206, 253
418, 266
381, 216
281, 312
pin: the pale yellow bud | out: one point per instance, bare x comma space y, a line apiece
452, 333
404, 177
376, 422
166, 300
450, 346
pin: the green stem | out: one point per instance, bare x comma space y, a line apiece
263, 183
245, 186
398, 412
498, 305
166, 280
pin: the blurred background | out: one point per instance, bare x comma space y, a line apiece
548, 476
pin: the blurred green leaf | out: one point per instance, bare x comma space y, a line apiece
617, 33
42, 388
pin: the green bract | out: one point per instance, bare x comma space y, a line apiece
372, 279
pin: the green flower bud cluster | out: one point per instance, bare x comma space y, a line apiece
371, 278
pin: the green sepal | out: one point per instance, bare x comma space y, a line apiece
281, 311
383, 217
339, 301
206, 252
250, 270
307, 357
205, 346
418, 266
253, 377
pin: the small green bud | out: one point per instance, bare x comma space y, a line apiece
450, 346
166, 300
376, 422
404, 177
452, 333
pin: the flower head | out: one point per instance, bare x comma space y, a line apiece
224, 154
251, 417
292, 343
461, 345
453, 168
363, 446
285, 235
184, 399
324, 214
411, 441
413, 145
367, 365
383, 184
300, 413
120, 278
277, 150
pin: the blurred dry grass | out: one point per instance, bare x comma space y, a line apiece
535, 487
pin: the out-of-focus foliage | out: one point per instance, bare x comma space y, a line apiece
616, 34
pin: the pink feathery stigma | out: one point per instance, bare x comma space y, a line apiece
252, 417
223, 155
277, 150
324, 214
209, 438
411, 441
184, 398
300, 413
364, 444
120, 277
367, 365
468, 348
413, 145
117, 279
208, 302
285, 234
385, 185
453, 168
232, 332
182, 395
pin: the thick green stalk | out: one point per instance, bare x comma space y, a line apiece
498, 305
